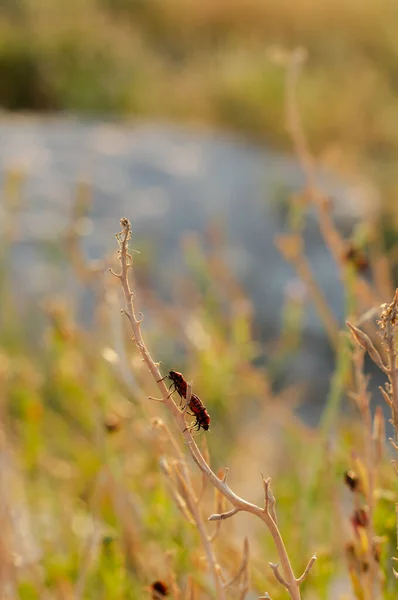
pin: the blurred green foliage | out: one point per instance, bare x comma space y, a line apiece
86, 457
84, 453
212, 63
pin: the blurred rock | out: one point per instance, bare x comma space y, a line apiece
169, 181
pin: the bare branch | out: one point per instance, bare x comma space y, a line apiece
190, 591
238, 503
269, 499
291, 248
385, 396
175, 590
243, 566
393, 444
179, 499
307, 570
219, 506
275, 568
244, 583
224, 479
117, 275
86, 270
206, 456
366, 343
223, 516
395, 573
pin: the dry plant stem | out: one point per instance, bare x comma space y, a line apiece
304, 272
129, 311
332, 237
390, 323
362, 397
243, 573
291, 248
291, 583
219, 506
190, 591
87, 271
92, 541
394, 382
243, 566
187, 488
387, 328
175, 590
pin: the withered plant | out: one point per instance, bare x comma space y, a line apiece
178, 472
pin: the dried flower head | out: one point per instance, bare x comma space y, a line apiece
112, 423
389, 315
159, 590
360, 518
355, 256
352, 480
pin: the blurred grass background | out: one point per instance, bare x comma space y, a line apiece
87, 509
210, 62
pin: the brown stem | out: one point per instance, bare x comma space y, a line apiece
292, 584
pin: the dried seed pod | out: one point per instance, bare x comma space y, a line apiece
352, 480
366, 343
360, 518
351, 556
159, 590
379, 433
356, 257
112, 423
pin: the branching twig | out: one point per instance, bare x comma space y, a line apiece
291, 248
225, 515
275, 568
243, 566
238, 503
185, 498
332, 237
269, 499
307, 569
219, 506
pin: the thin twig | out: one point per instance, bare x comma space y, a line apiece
269, 499
307, 569
225, 515
220, 502
275, 568
243, 566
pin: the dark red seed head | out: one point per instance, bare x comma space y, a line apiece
360, 518
159, 589
356, 256
351, 479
